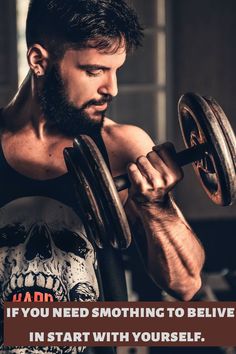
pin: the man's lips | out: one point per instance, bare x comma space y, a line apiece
100, 106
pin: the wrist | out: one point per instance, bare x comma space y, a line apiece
157, 209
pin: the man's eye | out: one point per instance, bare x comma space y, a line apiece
96, 72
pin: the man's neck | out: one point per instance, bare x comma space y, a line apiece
23, 111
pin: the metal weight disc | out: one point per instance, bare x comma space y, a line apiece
86, 204
203, 121
98, 195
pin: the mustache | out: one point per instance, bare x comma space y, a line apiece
102, 101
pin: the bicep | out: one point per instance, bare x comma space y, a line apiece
140, 143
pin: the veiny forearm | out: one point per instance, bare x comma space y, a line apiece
175, 255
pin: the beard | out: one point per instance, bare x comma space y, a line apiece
61, 115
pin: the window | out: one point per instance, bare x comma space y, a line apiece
21, 9
142, 82
8, 72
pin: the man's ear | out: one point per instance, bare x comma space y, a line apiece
38, 58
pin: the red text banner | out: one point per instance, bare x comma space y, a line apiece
120, 324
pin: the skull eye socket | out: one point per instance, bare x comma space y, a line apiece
69, 241
12, 235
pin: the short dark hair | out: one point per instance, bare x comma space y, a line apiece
61, 24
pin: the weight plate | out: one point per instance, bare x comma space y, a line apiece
203, 121
225, 126
100, 199
86, 204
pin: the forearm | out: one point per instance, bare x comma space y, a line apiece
175, 256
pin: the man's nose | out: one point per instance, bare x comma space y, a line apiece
109, 85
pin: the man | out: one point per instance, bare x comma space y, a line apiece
75, 48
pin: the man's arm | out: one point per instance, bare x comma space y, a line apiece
175, 256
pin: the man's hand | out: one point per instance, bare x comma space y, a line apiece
153, 176
174, 255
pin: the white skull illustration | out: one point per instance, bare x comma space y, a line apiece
44, 256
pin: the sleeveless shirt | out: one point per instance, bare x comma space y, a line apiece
45, 254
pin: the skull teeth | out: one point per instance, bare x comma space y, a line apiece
34, 280
13, 282
49, 282
60, 290
29, 280
40, 280
20, 281
46, 282
56, 284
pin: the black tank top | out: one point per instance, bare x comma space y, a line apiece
44, 245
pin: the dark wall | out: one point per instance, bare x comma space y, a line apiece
8, 56
203, 61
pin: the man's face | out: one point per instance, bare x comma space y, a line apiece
77, 90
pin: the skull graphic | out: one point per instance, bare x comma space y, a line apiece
44, 256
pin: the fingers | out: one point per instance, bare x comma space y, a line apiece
149, 171
166, 152
141, 191
154, 175
135, 175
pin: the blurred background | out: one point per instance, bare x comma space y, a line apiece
189, 45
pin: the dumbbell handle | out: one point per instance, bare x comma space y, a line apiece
183, 158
